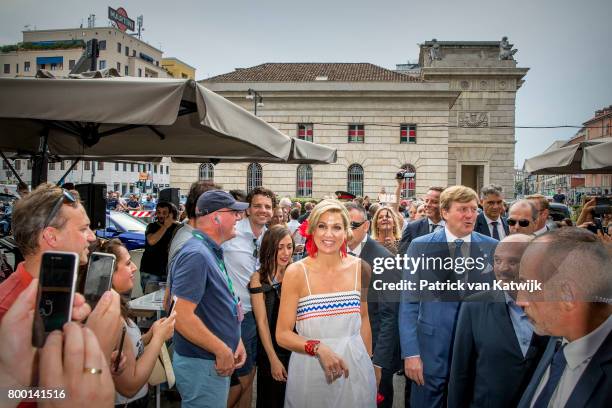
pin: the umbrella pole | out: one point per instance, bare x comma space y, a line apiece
61, 180
10, 166
41, 161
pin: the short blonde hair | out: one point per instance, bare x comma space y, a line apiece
333, 205
459, 194
398, 223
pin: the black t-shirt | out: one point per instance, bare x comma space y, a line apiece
155, 257
559, 198
133, 204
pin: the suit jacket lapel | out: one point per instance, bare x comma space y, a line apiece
538, 373
589, 380
503, 315
423, 228
482, 225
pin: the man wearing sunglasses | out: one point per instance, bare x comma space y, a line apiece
382, 311
48, 219
522, 217
241, 256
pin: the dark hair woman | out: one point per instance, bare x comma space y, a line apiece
275, 254
141, 351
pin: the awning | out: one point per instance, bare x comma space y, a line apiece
49, 60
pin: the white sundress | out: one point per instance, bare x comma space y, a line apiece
334, 319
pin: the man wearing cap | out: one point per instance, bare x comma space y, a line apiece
207, 333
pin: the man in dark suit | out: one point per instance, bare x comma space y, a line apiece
382, 308
489, 221
493, 332
427, 318
425, 225
574, 304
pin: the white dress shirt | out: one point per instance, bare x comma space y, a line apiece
578, 354
239, 260
500, 226
441, 223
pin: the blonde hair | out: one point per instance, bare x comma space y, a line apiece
398, 223
333, 205
459, 194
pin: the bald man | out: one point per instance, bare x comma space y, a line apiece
574, 305
494, 332
522, 217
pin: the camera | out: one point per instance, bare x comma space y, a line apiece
403, 174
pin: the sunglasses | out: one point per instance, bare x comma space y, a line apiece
355, 225
256, 250
65, 197
521, 223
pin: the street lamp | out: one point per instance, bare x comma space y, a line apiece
256, 97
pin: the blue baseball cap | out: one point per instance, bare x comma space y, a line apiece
214, 200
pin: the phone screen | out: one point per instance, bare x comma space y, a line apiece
99, 277
56, 291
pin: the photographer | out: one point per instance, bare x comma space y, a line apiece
595, 216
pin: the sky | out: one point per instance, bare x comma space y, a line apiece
566, 44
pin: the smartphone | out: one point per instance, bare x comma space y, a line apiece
57, 282
99, 277
118, 360
172, 305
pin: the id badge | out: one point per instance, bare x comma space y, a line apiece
240, 311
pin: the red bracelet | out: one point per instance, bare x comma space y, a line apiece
311, 347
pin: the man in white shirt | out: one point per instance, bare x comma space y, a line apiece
490, 222
241, 256
574, 304
541, 204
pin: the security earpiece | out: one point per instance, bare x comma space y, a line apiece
217, 220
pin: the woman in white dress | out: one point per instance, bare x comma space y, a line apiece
324, 298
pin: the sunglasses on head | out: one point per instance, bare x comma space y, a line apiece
355, 225
65, 197
521, 223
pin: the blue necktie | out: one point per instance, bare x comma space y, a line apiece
495, 232
557, 366
457, 253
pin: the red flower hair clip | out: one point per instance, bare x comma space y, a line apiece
311, 247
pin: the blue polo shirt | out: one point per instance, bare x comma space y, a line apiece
196, 276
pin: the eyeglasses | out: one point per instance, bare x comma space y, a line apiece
355, 225
521, 223
66, 196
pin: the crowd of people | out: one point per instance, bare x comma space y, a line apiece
257, 287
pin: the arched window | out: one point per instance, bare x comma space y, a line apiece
409, 183
304, 181
254, 176
354, 183
207, 171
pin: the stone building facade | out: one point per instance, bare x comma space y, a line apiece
431, 123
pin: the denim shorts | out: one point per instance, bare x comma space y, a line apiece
248, 330
198, 382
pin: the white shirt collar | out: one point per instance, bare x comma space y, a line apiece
580, 350
452, 238
358, 248
541, 231
442, 223
489, 221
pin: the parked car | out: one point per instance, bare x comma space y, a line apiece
558, 211
130, 230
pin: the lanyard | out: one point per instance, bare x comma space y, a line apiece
220, 264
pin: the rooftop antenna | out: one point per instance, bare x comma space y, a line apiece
139, 22
91, 21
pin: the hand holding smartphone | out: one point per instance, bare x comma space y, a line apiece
57, 282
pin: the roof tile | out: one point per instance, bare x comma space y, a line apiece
308, 72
